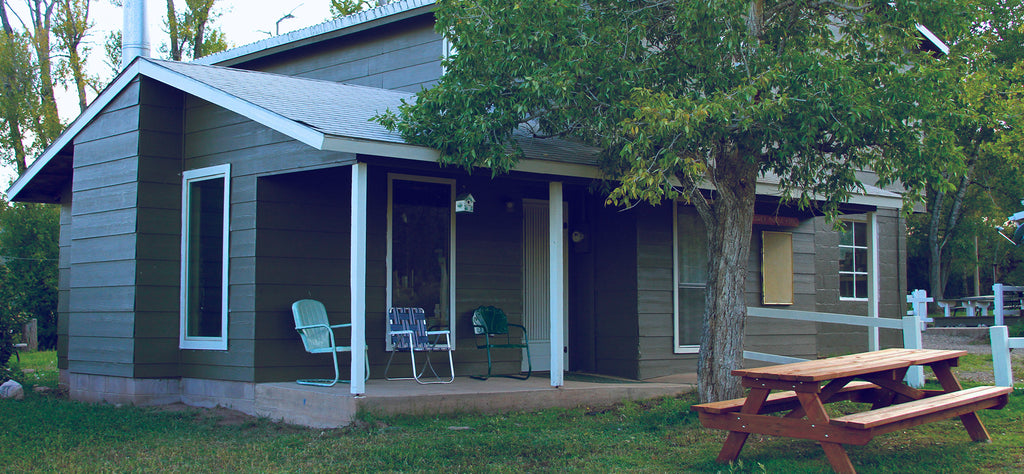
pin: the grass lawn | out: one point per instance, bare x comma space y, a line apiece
45, 432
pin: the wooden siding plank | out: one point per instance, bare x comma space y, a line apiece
105, 174
101, 299
103, 224
113, 350
110, 122
107, 150
103, 274
110, 198
109, 324
99, 249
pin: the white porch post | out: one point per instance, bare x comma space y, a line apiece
873, 279
557, 290
357, 278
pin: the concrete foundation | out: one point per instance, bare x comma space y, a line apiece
332, 407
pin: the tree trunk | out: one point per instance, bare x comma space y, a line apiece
76, 70
13, 116
729, 221
172, 31
41, 15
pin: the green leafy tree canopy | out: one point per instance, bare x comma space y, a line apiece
685, 97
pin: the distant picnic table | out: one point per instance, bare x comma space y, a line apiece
970, 304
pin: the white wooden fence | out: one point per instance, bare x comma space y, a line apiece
999, 300
910, 325
1001, 345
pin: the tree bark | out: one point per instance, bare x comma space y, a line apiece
13, 116
172, 30
729, 219
42, 13
938, 269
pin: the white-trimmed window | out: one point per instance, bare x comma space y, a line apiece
205, 204
690, 271
853, 261
421, 246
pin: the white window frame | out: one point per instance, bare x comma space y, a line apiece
219, 343
677, 347
447, 51
392, 177
868, 273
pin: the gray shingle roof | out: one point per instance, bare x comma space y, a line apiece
329, 107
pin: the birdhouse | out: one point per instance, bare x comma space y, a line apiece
464, 203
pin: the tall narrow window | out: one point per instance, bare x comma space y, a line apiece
853, 261
421, 246
204, 258
691, 271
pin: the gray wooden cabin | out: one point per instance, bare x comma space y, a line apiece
281, 129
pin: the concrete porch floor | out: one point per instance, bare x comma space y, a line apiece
332, 407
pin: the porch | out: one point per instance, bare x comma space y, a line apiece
332, 407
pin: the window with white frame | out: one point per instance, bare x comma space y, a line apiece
421, 246
853, 261
205, 204
691, 276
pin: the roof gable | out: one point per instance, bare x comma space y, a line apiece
346, 25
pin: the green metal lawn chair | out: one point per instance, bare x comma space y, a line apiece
492, 323
318, 337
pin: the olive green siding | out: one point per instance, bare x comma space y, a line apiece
214, 136
616, 337
836, 339
405, 55
101, 275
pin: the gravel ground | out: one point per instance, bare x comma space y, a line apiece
972, 340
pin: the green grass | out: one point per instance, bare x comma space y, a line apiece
44, 433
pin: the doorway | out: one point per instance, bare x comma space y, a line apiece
536, 285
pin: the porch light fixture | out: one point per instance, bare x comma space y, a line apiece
464, 203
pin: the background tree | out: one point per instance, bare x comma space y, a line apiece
19, 103
38, 27
70, 29
28, 268
340, 8
974, 133
191, 32
691, 92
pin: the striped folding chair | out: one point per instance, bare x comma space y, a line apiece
407, 331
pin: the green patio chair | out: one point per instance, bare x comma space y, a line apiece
317, 335
493, 325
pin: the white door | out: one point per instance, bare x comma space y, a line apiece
536, 287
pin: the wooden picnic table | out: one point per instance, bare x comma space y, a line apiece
803, 388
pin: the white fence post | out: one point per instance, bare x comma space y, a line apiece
997, 301
919, 300
912, 340
1000, 337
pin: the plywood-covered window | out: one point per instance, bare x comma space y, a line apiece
204, 258
777, 267
691, 276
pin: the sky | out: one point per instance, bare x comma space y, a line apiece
242, 21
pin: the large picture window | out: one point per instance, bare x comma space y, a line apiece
204, 258
853, 261
691, 276
421, 246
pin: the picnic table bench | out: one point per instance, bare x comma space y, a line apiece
972, 305
803, 388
